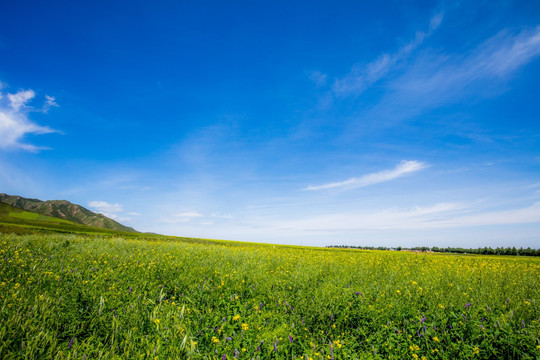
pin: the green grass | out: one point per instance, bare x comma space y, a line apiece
17, 221
100, 296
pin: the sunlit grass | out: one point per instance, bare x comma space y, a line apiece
65, 296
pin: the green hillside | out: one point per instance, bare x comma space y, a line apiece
65, 210
18, 221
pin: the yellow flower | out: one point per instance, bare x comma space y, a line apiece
215, 340
436, 339
476, 350
245, 326
236, 317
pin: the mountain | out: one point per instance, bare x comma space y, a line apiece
18, 221
65, 210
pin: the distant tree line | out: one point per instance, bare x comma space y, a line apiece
482, 251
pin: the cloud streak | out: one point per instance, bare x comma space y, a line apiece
437, 79
363, 76
437, 216
402, 169
182, 217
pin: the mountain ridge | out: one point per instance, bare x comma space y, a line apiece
65, 210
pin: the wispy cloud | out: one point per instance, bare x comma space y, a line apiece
438, 79
50, 102
318, 78
402, 169
362, 76
437, 216
14, 121
189, 214
113, 211
106, 207
182, 217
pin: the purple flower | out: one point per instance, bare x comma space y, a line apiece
290, 338
236, 353
423, 318
275, 345
467, 305
130, 289
224, 357
229, 338
71, 342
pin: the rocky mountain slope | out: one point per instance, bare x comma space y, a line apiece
63, 209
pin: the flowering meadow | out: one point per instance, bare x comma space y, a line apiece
102, 297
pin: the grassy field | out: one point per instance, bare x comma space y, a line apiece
89, 297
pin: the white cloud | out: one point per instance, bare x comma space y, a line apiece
363, 76
437, 216
402, 169
105, 207
189, 214
50, 101
15, 124
20, 98
181, 217
113, 211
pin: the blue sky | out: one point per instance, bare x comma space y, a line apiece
385, 123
